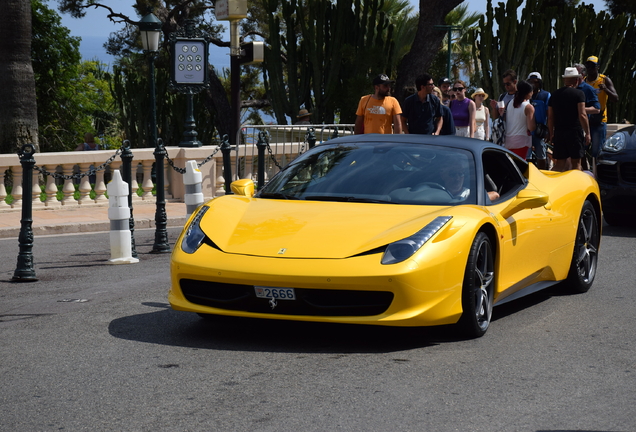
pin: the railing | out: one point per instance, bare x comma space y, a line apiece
244, 160
285, 143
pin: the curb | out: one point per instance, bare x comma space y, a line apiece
85, 227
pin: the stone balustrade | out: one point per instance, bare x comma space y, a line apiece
286, 143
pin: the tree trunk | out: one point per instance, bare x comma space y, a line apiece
426, 44
216, 102
18, 106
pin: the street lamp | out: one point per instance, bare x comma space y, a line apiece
450, 29
150, 31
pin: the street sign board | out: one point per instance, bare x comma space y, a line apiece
227, 10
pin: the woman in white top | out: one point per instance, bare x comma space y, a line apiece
482, 115
520, 121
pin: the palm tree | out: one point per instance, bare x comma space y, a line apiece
461, 46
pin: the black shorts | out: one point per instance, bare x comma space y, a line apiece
568, 143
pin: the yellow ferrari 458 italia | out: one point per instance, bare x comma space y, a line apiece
398, 230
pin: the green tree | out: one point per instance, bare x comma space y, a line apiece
211, 107
72, 96
425, 44
462, 59
617, 7
550, 39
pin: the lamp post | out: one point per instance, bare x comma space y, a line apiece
150, 31
450, 29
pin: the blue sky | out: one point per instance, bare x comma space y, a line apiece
95, 27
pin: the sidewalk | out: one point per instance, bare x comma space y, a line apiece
85, 219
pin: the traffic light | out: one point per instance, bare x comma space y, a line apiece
252, 52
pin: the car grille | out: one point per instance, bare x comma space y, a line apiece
628, 172
314, 302
607, 174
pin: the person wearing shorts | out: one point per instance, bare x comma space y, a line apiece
568, 125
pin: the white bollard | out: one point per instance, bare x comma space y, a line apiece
119, 214
192, 180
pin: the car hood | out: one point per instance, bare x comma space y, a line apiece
309, 229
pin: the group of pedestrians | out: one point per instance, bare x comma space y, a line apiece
524, 118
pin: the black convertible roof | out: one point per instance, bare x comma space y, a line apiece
473, 145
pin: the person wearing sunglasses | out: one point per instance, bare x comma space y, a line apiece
510, 85
463, 109
379, 112
422, 112
452, 178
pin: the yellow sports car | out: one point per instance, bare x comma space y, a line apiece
399, 230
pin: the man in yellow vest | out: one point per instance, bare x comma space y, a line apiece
605, 91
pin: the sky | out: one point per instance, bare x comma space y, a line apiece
95, 28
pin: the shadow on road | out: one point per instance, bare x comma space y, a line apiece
168, 327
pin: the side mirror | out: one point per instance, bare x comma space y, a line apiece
525, 199
244, 187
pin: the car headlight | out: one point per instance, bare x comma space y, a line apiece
194, 235
616, 143
403, 249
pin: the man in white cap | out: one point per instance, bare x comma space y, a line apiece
377, 112
539, 101
568, 127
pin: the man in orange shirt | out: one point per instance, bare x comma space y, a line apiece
378, 112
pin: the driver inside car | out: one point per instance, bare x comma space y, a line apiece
453, 180
452, 177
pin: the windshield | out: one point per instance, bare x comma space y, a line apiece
378, 172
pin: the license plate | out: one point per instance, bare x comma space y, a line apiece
276, 293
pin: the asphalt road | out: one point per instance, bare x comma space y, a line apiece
94, 347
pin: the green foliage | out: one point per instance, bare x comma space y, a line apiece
322, 54
462, 46
549, 39
617, 7
130, 88
72, 96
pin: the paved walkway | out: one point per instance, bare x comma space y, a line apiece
85, 219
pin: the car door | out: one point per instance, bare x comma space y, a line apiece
526, 237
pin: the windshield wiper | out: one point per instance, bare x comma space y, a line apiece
346, 199
276, 195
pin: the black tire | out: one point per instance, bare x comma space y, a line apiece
477, 291
585, 255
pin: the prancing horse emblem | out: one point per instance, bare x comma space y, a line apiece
273, 303
282, 251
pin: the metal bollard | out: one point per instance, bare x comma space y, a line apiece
261, 145
226, 150
126, 166
310, 137
192, 180
24, 271
119, 215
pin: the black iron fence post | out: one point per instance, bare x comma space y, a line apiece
261, 145
161, 219
126, 175
24, 271
226, 148
310, 137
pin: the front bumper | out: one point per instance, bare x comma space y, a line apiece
425, 290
